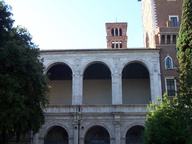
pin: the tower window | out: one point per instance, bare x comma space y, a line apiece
112, 32
120, 44
168, 63
175, 20
120, 32
117, 44
113, 44
116, 32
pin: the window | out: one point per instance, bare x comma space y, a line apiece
112, 32
120, 44
113, 44
168, 63
117, 43
170, 86
120, 32
175, 20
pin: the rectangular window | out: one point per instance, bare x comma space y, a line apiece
175, 20
170, 86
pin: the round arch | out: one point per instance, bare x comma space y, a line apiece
97, 87
48, 126
53, 63
141, 61
60, 75
88, 127
95, 61
136, 83
130, 126
97, 134
134, 135
56, 134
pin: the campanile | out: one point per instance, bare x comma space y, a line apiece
116, 35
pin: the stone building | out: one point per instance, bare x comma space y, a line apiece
161, 20
99, 96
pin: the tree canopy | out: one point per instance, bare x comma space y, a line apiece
23, 85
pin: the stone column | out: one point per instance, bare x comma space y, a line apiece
159, 36
77, 89
76, 132
155, 84
116, 87
171, 39
165, 39
117, 127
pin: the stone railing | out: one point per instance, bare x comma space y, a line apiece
86, 109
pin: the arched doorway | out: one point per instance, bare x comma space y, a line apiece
60, 81
97, 84
97, 135
134, 135
135, 84
57, 135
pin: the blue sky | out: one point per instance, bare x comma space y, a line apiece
69, 24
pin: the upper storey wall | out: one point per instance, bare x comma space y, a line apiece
166, 8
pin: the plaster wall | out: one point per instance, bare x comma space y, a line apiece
97, 92
60, 92
136, 91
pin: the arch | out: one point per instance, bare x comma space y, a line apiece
53, 63
94, 61
57, 70
134, 135
56, 134
168, 63
135, 84
97, 123
130, 126
60, 75
47, 127
96, 135
137, 60
97, 84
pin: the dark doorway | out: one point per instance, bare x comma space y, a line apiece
134, 135
97, 135
57, 135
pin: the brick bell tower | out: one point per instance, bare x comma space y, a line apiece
116, 35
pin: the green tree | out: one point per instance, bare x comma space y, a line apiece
184, 45
164, 124
23, 86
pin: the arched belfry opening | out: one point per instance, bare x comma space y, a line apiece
97, 135
97, 84
135, 84
134, 135
60, 81
56, 135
